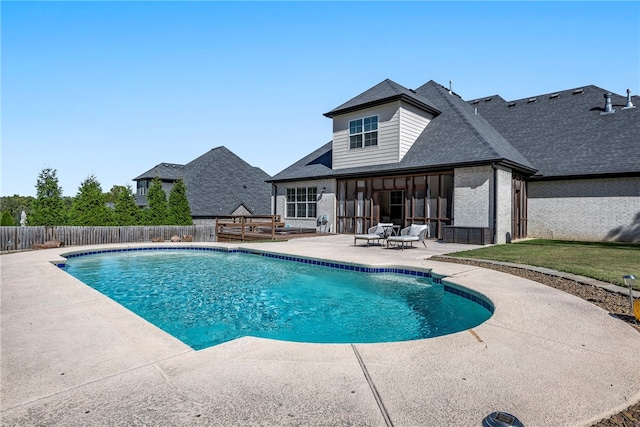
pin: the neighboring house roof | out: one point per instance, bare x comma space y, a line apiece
218, 182
564, 133
222, 180
164, 171
382, 93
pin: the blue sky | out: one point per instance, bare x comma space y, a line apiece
114, 88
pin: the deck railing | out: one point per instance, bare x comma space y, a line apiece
248, 227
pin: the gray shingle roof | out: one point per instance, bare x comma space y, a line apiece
218, 182
456, 136
561, 134
382, 93
164, 171
564, 134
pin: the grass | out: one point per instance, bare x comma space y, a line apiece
599, 260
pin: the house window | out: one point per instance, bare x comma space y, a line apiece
301, 202
363, 132
142, 187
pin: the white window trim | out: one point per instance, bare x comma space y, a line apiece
362, 133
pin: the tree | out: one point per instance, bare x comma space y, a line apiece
7, 219
157, 213
179, 210
126, 212
49, 206
15, 205
89, 207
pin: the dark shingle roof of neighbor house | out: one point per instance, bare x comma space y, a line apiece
164, 171
564, 133
218, 182
568, 138
224, 181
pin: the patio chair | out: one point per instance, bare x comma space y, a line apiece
413, 233
377, 232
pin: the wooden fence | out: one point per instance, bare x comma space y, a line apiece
20, 238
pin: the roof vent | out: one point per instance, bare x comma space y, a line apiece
577, 91
450, 87
608, 108
629, 104
476, 101
530, 100
487, 99
554, 95
512, 104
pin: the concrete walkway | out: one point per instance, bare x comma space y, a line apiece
73, 357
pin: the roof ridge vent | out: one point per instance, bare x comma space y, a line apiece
577, 91
608, 107
530, 100
554, 95
629, 104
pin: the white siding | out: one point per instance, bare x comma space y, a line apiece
388, 130
412, 123
588, 209
399, 125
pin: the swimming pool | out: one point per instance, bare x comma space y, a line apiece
207, 297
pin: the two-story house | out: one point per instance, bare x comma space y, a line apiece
219, 183
564, 165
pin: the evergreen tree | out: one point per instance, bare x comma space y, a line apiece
157, 213
49, 207
15, 205
126, 212
89, 207
179, 210
7, 219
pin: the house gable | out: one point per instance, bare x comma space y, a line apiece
398, 115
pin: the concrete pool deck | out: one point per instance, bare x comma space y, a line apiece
72, 357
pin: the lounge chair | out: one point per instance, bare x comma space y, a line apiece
413, 233
377, 232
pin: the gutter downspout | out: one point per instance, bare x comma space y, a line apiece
495, 202
274, 191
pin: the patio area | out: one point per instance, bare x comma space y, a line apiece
72, 357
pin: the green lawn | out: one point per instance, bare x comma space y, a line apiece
603, 261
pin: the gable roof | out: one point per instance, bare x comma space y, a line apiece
218, 182
564, 133
222, 180
164, 171
455, 137
382, 93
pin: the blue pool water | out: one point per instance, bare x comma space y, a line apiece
206, 298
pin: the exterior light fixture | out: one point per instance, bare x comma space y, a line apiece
501, 419
630, 281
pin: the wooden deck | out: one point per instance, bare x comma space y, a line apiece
257, 227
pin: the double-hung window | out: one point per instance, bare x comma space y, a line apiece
301, 202
142, 187
363, 132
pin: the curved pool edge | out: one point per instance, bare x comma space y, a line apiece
449, 286
559, 360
